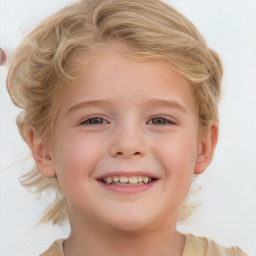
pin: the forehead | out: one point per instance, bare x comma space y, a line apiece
111, 72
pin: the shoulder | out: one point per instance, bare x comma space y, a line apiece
55, 249
202, 246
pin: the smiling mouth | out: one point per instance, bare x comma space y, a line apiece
127, 181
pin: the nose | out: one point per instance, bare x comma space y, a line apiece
128, 142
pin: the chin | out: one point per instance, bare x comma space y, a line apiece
129, 227
130, 222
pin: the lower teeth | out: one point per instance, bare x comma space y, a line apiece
127, 184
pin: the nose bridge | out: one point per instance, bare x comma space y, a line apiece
129, 141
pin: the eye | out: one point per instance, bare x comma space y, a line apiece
94, 121
161, 121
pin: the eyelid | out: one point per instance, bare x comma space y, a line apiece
170, 120
83, 121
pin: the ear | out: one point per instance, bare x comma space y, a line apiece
206, 147
42, 154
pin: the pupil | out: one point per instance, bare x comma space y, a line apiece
158, 121
96, 121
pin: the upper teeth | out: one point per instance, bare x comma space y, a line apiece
127, 180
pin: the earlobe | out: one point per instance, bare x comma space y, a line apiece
206, 148
41, 154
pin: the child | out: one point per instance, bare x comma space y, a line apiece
119, 104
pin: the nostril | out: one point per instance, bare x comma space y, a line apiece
134, 154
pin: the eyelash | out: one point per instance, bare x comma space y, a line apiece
165, 121
90, 121
102, 121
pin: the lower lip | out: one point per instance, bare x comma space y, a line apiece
127, 189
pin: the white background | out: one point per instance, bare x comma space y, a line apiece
228, 198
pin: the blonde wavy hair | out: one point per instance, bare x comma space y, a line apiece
48, 58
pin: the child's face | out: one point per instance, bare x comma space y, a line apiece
122, 117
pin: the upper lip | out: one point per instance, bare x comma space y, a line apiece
127, 174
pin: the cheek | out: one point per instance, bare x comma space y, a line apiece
75, 160
76, 156
177, 155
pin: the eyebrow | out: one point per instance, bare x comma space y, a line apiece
166, 104
91, 103
152, 102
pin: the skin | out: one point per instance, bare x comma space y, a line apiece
124, 116
3, 57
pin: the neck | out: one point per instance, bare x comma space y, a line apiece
160, 239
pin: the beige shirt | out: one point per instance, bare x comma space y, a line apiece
194, 246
